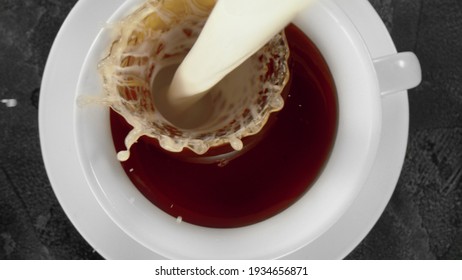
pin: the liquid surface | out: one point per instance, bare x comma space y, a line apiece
265, 180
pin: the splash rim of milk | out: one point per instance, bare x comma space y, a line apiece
114, 74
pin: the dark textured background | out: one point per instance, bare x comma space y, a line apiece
422, 221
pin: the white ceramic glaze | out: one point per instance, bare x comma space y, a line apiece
70, 186
397, 72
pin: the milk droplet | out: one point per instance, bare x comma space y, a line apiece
10, 102
236, 144
123, 155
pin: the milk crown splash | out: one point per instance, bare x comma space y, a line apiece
156, 36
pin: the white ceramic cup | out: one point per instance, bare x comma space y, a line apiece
360, 81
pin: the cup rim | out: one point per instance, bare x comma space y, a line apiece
129, 209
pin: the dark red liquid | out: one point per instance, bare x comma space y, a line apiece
265, 180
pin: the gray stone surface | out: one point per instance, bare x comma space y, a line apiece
422, 221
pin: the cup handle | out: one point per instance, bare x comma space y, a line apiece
397, 72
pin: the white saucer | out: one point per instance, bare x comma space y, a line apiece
60, 154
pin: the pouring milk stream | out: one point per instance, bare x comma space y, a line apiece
234, 31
